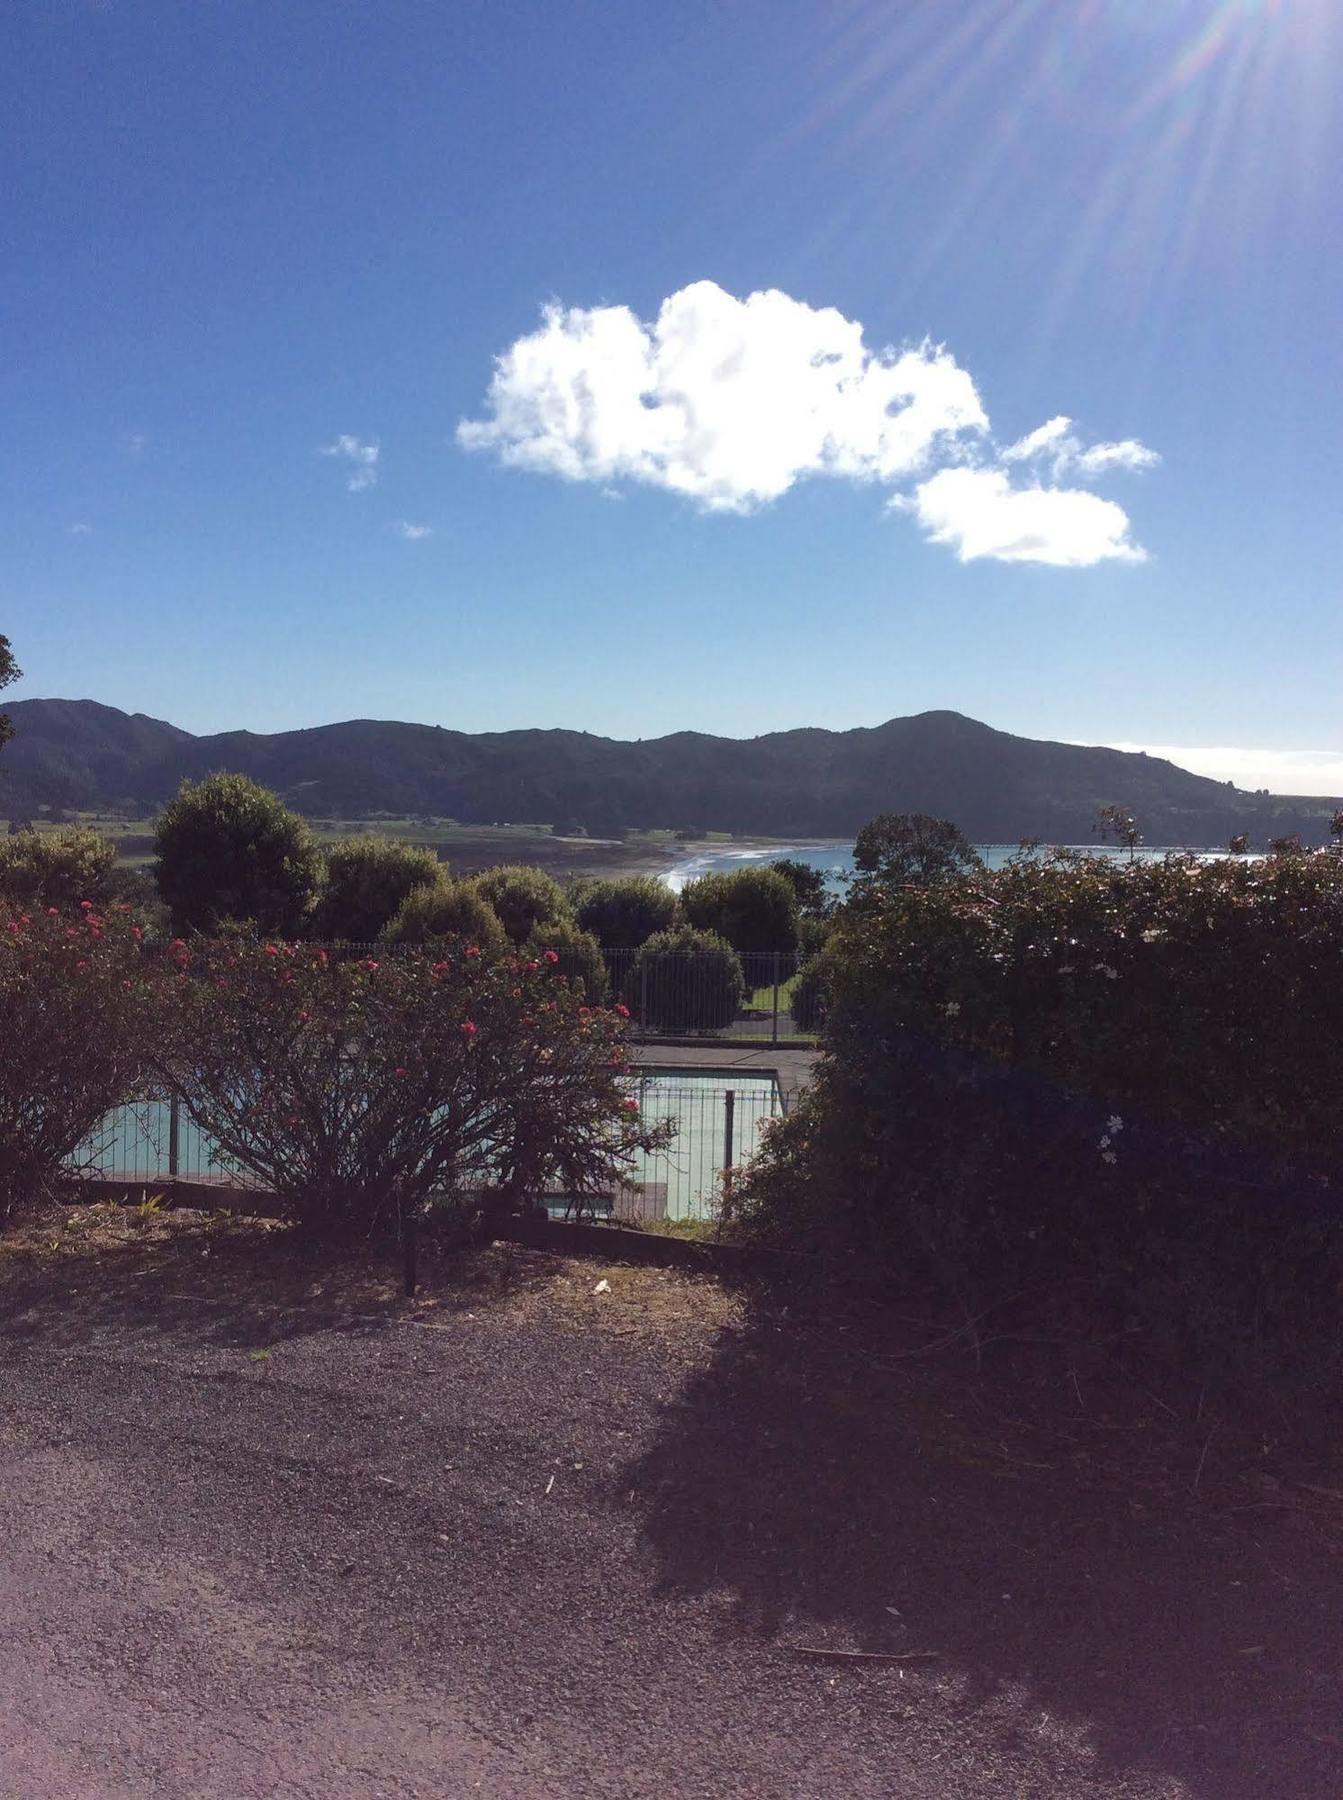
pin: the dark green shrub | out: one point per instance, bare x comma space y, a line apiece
810, 890
808, 1005
522, 898
230, 850
1108, 1090
754, 909
580, 955
367, 880
449, 909
56, 868
622, 914
685, 981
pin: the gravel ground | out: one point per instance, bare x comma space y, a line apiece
271, 1532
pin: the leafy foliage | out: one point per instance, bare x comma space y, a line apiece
622, 914
229, 850
685, 981
580, 955
9, 673
753, 909
57, 868
79, 1007
899, 850
1109, 1084
448, 909
522, 898
367, 880
363, 1093
810, 891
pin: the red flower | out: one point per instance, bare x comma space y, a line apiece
439, 968
137, 934
631, 1105
80, 967
86, 906
13, 924
468, 1029
398, 1071
179, 944
621, 1010
370, 963
473, 949
271, 950
533, 966
552, 956
53, 912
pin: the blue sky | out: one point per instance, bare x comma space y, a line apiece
817, 277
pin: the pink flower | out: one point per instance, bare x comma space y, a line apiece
468, 1029
272, 950
137, 934
370, 963
53, 912
439, 968
631, 1106
622, 1011
86, 906
80, 966
398, 1071
552, 956
179, 944
473, 949
533, 966
584, 1012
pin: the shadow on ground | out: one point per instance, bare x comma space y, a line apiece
1046, 1542
231, 1282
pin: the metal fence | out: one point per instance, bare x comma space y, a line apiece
719, 1122
677, 994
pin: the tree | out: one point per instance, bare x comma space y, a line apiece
523, 898
57, 868
231, 851
366, 1093
685, 981
810, 889
79, 1011
622, 914
1118, 822
449, 909
9, 673
580, 955
367, 880
754, 909
902, 850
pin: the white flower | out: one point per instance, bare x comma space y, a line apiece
952, 1008
1105, 1143
1109, 973
1109, 1157
1114, 1123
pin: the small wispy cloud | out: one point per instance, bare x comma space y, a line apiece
413, 534
134, 443
1056, 444
80, 529
731, 402
361, 458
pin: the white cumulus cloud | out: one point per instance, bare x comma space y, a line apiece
412, 533
978, 513
727, 401
362, 460
1057, 444
731, 401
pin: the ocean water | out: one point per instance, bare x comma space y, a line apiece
835, 859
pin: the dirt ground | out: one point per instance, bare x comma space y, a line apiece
557, 1528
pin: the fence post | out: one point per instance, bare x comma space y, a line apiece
174, 1137
643, 996
729, 1142
774, 1034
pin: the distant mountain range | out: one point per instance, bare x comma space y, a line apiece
80, 755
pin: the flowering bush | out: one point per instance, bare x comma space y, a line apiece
79, 1008
580, 957
364, 1091
1117, 1080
